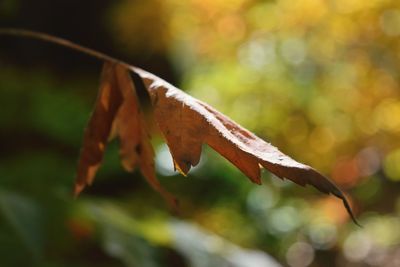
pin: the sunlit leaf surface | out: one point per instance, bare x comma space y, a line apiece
318, 79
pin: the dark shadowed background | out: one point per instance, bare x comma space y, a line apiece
317, 78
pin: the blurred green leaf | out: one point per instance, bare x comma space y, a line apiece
25, 217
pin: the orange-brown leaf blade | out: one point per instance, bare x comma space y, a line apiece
274, 160
98, 129
127, 122
182, 128
135, 145
147, 168
187, 123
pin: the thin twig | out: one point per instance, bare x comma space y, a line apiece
63, 42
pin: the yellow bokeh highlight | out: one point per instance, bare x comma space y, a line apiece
322, 139
299, 14
348, 6
387, 115
391, 165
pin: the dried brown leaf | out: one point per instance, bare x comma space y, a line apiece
117, 112
185, 122
188, 123
135, 145
98, 129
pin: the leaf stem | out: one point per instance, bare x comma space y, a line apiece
63, 42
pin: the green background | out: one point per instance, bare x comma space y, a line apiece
317, 78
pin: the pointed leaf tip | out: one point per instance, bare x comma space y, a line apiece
117, 113
350, 211
78, 188
98, 128
135, 147
187, 123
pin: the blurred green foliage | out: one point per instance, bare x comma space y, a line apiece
317, 78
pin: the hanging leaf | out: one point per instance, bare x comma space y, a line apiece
98, 129
135, 145
188, 123
185, 122
117, 112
